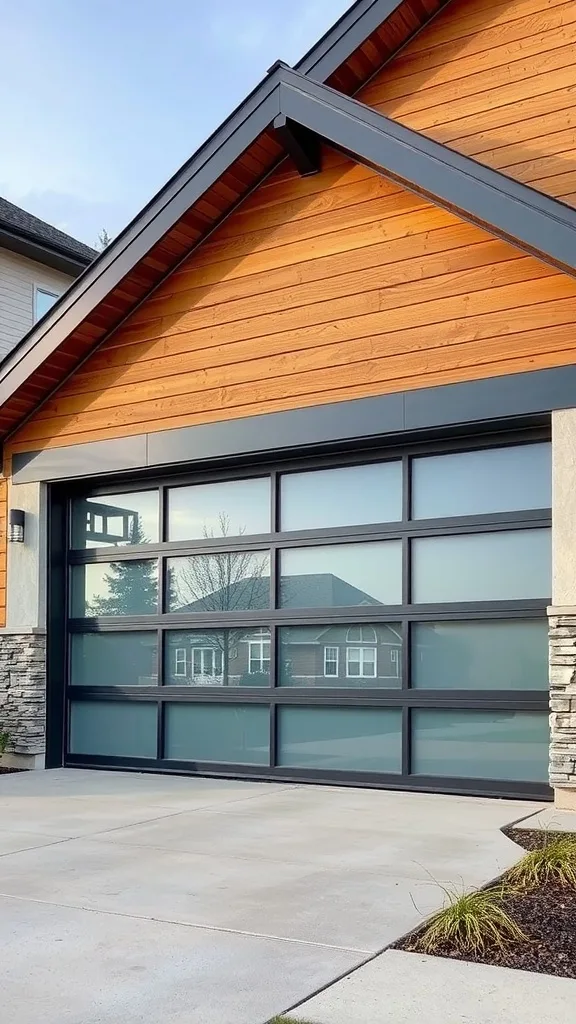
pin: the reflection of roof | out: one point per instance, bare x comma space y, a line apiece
385, 634
312, 590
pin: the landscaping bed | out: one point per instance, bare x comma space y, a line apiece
525, 920
11, 771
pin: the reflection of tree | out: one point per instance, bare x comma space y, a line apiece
132, 585
222, 582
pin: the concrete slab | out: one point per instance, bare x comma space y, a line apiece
66, 966
551, 819
401, 988
221, 864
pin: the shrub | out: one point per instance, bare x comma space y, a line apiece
470, 922
4, 740
555, 861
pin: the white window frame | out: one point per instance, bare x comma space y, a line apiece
260, 643
334, 659
180, 662
360, 657
203, 651
39, 290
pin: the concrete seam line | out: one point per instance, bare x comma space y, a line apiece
188, 924
28, 849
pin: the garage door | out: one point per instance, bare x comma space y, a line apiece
375, 620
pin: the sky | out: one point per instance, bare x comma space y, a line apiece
101, 101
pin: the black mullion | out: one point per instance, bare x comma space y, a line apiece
406, 741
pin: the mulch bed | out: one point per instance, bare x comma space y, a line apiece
11, 771
547, 915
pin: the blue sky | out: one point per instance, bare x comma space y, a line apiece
102, 100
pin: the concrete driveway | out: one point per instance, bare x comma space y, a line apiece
166, 900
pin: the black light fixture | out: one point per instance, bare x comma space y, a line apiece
16, 526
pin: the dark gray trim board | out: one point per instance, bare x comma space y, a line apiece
41, 253
544, 226
390, 416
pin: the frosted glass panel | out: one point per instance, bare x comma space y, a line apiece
217, 657
115, 588
353, 739
228, 582
233, 733
348, 496
476, 483
114, 659
230, 508
113, 728
117, 520
341, 574
506, 566
341, 655
505, 655
509, 745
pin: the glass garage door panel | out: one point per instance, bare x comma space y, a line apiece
113, 728
233, 733
114, 659
508, 745
340, 739
508, 654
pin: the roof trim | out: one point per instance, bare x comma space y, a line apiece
543, 226
340, 42
30, 247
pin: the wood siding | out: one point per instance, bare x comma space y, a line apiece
496, 80
316, 290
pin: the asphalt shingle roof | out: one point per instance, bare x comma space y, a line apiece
13, 218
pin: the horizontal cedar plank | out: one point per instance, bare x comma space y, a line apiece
329, 311
412, 60
558, 184
550, 145
363, 374
347, 173
447, 27
471, 93
149, 360
261, 239
447, 376
315, 358
368, 275
510, 114
182, 387
388, 85
527, 130
531, 170
325, 201
445, 114
336, 242
405, 260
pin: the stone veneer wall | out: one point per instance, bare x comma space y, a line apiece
23, 691
563, 700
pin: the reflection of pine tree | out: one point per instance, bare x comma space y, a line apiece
132, 585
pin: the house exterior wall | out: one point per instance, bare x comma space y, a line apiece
562, 613
337, 286
18, 279
495, 81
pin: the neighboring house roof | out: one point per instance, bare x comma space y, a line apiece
310, 590
29, 236
291, 111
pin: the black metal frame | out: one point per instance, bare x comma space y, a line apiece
404, 698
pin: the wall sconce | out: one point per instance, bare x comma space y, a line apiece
16, 525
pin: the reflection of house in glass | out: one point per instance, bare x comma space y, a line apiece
335, 655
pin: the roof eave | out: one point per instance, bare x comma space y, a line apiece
25, 244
